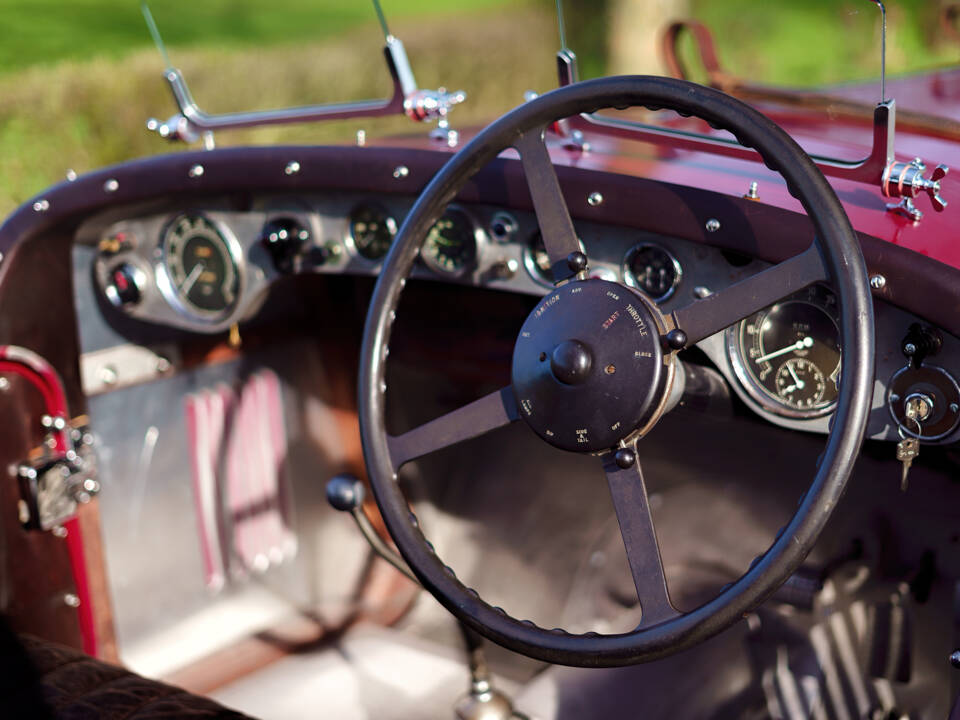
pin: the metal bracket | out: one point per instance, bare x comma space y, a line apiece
906, 181
192, 124
879, 168
51, 488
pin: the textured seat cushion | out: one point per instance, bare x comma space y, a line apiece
68, 685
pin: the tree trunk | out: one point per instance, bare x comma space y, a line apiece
636, 27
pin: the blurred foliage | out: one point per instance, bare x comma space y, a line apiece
84, 115
34, 32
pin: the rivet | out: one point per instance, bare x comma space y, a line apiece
401, 171
71, 175
453, 137
292, 168
108, 375
41, 205
753, 193
954, 408
878, 282
712, 225
4, 384
195, 171
594, 199
91, 485
894, 397
701, 292
111, 185
610, 369
59, 531
71, 600
361, 138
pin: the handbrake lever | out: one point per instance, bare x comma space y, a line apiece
482, 702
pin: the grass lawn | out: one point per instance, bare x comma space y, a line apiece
45, 32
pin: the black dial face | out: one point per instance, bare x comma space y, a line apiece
451, 244
788, 355
201, 270
372, 230
653, 270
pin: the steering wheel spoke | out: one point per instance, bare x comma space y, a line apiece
718, 311
629, 494
477, 418
556, 227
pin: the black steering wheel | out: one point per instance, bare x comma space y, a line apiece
594, 364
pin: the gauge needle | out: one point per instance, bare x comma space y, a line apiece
797, 382
807, 342
192, 278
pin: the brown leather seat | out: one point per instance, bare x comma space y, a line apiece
66, 684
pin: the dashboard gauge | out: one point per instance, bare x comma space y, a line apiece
451, 244
537, 261
653, 270
200, 273
787, 356
372, 229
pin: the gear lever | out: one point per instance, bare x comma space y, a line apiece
482, 702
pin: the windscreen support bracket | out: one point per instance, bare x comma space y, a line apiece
870, 169
192, 124
896, 179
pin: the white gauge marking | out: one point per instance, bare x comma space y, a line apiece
188, 282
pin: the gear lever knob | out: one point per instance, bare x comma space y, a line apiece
345, 492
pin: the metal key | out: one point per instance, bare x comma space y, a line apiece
907, 450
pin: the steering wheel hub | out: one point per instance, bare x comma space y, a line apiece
588, 368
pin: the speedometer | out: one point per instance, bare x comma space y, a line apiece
787, 356
199, 273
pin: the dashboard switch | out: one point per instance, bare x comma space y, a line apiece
124, 286
284, 239
921, 342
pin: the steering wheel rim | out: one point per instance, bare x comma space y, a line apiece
835, 254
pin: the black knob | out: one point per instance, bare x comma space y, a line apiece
676, 339
345, 492
577, 261
284, 239
625, 458
123, 287
571, 362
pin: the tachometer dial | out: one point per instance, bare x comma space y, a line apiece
451, 244
653, 270
787, 356
200, 273
372, 229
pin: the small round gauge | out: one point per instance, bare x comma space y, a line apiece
653, 270
200, 273
451, 244
372, 229
800, 383
787, 356
537, 261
